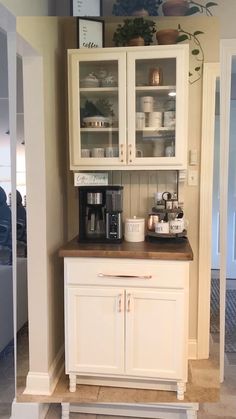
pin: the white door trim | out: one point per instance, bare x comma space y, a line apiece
211, 72
227, 50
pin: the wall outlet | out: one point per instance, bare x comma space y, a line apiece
192, 177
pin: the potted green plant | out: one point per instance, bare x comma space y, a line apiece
186, 7
136, 7
137, 31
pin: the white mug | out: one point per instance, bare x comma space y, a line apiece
139, 153
112, 152
155, 119
140, 120
147, 103
85, 152
162, 227
97, 152
177, 225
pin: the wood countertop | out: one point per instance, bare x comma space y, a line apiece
163, 249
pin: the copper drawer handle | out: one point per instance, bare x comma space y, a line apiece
101, 275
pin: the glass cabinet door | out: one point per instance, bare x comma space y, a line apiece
156, 94
99, 109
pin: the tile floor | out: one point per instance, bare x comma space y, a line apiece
226, 408
203, 386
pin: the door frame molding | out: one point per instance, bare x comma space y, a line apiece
227, 50
210, 74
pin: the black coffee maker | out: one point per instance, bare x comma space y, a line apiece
100, 214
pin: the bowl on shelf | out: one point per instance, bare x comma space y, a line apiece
109, 81
89, 81
96, 122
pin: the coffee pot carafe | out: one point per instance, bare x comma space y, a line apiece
100, 213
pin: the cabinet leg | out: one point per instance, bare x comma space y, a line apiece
72, 378
181, 388
191, 414
65, 410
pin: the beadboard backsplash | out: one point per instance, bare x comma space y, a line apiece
139, 189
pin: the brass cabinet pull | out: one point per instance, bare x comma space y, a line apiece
101, 275
129, 303
120, 303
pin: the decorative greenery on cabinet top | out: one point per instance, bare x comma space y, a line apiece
166, 7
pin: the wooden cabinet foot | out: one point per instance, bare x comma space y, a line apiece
72, 378
181, 388
65, 410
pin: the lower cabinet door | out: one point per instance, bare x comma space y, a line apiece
155, 334
95, 330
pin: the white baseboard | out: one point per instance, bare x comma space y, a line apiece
39, 383
149, 410
192, 349
29, 410
43, 384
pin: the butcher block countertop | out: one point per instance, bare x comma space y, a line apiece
161, 250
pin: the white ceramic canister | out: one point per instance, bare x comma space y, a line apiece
155, 119
147, 103
162, 227
140, 120
134, 229
177, 225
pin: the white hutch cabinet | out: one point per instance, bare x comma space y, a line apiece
128, 108
126, 323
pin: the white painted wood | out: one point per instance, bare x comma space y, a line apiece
181, 57
211, 72
227, 51
75, 58
29, 410
96, 330
215, 246
163, 274
113, 313
231, 228
148, 410
164, 312
65, 410
126, 93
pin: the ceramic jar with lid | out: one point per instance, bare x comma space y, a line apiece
134, 229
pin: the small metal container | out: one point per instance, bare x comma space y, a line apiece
153, 219
155, 76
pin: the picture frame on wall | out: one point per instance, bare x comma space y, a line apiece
90, 33
86, 8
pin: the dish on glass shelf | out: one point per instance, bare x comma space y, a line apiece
96, 122
89, 81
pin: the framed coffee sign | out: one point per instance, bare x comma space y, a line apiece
90, 33
86, 8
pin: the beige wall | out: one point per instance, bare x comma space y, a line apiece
46, 281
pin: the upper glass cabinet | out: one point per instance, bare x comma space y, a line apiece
128, 107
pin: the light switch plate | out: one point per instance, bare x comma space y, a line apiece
192, 177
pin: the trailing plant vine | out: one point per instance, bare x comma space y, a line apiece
197, 52
200, 8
